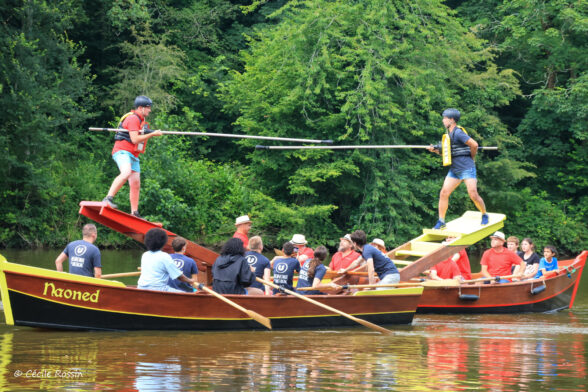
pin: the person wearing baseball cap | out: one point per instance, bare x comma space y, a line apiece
128, 145
498, 260
304, 252
243, 224
345, 254
458, 151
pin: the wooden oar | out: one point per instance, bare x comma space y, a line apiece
426, 283
255, 316
121, 275
327, 307
278, 252
492, 278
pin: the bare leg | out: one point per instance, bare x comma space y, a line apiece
449, 186
120, 180
135, 188
472, 185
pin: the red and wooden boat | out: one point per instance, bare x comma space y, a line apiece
556, 292
45, 298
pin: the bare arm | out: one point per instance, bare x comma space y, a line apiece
195, 278
59, 261
433, 275
473, 147
185, 279
97, 272
371, 271
485, 273
351, 266
272, 261
137, 138
267, 277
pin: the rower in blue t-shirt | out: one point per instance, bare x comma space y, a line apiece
84, 256
377, 262
284, 267
548, 262
259, 264
312, 272
185, 264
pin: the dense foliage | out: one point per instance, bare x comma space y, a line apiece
369, 72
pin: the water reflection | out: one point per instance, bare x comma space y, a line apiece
436, 354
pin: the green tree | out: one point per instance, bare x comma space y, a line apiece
371, 72
45, 98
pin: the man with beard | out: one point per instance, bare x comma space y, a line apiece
345, 256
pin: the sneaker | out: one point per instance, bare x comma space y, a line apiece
484, 219
136, 213
110, 201
440, 225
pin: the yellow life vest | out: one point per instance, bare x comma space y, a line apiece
446, 147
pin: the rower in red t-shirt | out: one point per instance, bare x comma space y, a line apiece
345, 256
447, 269
461, 259
498, 261
243, 224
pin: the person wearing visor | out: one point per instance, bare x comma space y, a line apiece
126, 150
458, 151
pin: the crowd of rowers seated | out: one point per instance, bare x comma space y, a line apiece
241, 271
499, 264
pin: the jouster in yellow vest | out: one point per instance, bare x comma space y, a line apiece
446, 148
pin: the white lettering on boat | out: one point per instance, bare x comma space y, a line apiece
57, 292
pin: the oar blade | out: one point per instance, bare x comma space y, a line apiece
439, 283
260, 319
372, 326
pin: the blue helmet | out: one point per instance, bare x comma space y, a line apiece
452, 113
142, 100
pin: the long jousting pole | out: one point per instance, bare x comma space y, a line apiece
260, 147
282, 139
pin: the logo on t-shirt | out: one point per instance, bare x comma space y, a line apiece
251, 259
281, 267
80, 250
179, 263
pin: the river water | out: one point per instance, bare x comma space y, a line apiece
526, 352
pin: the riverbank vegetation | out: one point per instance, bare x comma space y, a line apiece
368, 72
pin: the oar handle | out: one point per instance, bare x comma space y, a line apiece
497, 278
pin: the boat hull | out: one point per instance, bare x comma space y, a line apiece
43, 298
516, 297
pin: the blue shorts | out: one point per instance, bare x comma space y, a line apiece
123, 158
463, 175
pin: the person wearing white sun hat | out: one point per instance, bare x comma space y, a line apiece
379, 244
243, 224
304, 252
